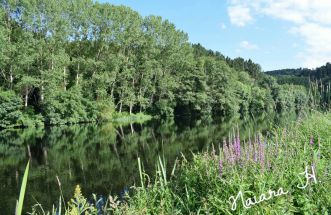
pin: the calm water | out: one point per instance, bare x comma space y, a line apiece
102, 159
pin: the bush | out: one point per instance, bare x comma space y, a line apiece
106, 110
10, 109
68, 108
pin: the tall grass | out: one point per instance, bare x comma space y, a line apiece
205, 184
19, 205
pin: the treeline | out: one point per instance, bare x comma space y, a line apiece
317, 81
320, 73
80, 61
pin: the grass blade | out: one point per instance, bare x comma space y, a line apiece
140, 173
22, 192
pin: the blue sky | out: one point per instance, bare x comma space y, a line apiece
274, 33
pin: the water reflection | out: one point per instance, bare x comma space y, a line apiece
102, 158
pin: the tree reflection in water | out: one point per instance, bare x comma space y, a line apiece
102, 158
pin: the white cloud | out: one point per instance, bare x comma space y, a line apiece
239, 15
295, 45
311, 20
248, 46
318, 41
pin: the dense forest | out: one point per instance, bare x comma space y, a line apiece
318, 81
82, 61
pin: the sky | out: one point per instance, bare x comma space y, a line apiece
277, 34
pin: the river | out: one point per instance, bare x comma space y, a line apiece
102, 158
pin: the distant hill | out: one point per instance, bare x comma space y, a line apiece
302, 75
317, 81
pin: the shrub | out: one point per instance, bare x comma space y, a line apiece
10, 109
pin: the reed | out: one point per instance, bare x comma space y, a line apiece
20, 202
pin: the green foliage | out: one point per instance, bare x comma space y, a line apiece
258, 103
84, 60
105, 111
316, 81
10, 109
31, 119
296, 100
69, 107
126, 118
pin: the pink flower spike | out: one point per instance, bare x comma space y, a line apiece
220, 167
311, 140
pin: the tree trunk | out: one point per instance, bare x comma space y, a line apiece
130, 108
26, 96
11, 78
42, 93
64, 79
115, 149
70, 175
112, 91
122, 132
132, 130
121, 107
77, 75
45, 155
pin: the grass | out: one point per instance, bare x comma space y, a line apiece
205, 184
19, 205
126, 118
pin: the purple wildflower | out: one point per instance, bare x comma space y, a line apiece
311, 140
261, 152
226, 151
250, 149
235, 149
238, 147
254, 153
231, 152
220, 167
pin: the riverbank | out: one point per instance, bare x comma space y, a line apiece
226, 182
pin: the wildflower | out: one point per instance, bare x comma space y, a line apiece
311, 140
226, 151
261, 152
237, 147
276, 148
250, 150
220, 167
232, 156
78, 191
255, 150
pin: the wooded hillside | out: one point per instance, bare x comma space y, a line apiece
79, 61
